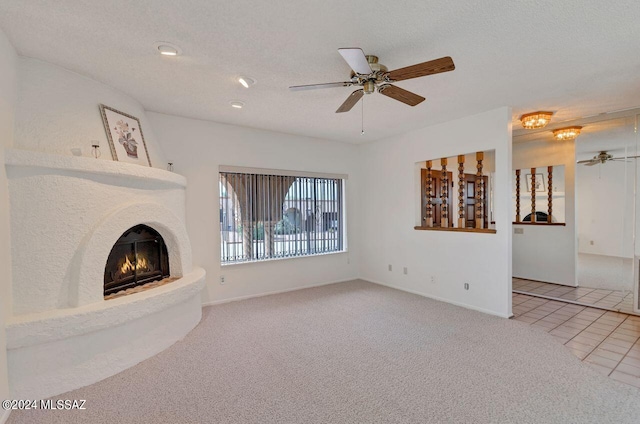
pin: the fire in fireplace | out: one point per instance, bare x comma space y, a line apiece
138, 257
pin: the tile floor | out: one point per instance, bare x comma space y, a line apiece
608, 341
615, 300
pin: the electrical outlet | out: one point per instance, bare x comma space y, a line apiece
405, 270
466, 286
518, 231
348, 260
591, 243
432, 279
390, 267
222, 279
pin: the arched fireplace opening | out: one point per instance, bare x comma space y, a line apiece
138, 257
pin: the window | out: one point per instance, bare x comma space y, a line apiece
266, 215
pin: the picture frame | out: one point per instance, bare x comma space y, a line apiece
125, 136
540, 187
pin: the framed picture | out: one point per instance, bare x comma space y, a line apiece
539, 183
125, 136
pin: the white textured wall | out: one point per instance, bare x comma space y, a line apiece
7, 99
390, 203
199, 147
605, 195
58, 110
547, 253
605, 272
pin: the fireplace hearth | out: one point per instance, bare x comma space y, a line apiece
138, 257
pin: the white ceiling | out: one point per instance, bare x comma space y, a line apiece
574, 57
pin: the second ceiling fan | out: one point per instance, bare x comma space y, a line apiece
604, 157
371, 75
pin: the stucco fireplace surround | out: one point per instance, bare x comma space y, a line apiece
66, 214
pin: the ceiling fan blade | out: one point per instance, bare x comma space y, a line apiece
351, 101
625, 158
356, 59
326, 85
444, 64
592, 162
589, 161
400, 94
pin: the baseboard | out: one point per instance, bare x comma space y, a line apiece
5, 416
251, 296
547, 282
440, 299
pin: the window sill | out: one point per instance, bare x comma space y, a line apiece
259, 261
459, 230
562, 224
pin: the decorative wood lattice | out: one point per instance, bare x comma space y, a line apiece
480, 189
461, 181
517, 195
444, 194
550, 192
429, 190
533, 195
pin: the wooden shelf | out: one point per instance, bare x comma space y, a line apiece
459, 230
561, 224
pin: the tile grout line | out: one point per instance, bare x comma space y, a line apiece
552, 312
625, 355
612, 331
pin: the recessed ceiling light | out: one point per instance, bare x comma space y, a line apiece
237, 104
246, 81
168, 49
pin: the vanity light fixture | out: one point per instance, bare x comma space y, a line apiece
237, 104
246, 81
568, 133
535, 120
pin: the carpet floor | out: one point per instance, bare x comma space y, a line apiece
354, 352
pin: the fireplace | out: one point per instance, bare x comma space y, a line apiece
138, 257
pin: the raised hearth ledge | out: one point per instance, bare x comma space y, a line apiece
73, 348
58, 324
88, 166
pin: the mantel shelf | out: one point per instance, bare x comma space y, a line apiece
91, 166
455, 229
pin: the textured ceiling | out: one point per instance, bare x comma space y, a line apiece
574, 57
611, 132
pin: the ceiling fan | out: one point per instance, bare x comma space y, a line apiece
603, 157
371, 75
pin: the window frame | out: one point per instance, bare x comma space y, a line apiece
269, 245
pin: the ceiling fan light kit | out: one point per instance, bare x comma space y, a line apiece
371, 75
535, 120
568, 133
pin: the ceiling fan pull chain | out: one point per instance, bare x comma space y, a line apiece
362, 121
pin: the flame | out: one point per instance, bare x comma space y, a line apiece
128, 266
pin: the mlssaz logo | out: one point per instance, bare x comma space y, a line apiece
65, 404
